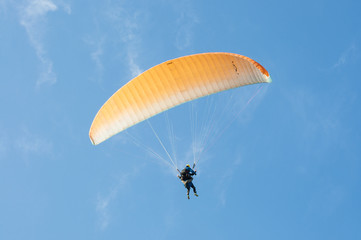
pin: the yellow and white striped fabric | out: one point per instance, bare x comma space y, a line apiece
172, 83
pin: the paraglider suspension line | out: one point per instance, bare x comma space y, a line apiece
161, 143
234, 119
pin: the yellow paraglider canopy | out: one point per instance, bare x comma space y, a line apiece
172, 83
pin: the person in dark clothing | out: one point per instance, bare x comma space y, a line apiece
186, 178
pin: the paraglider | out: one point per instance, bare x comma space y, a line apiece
170, 84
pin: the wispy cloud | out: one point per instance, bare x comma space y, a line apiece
125, 22
349, 53
104, 201
225, 179
25, 143
185, 23
65, 6
32, 144
123, 31
318, 120
135, 70
97, 54
4, 6
33, 18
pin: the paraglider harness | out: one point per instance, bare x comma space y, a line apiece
186, 175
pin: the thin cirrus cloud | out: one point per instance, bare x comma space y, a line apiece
346, 56
29, 143
127, 26
33, 19
104, 202
185, 22
123, 26
225, 179
26, 144
97, 53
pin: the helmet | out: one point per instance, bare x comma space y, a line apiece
188, 165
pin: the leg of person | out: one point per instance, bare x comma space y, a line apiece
194, 189
188, 186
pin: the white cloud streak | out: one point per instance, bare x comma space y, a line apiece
104, 201
29, 143
185, 22
97, 54
135, 70
25, 143
345, 56
225, 179
3, 6
126, 24
102, 205
66, 7
33, 19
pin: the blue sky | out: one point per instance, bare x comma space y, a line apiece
289, 167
